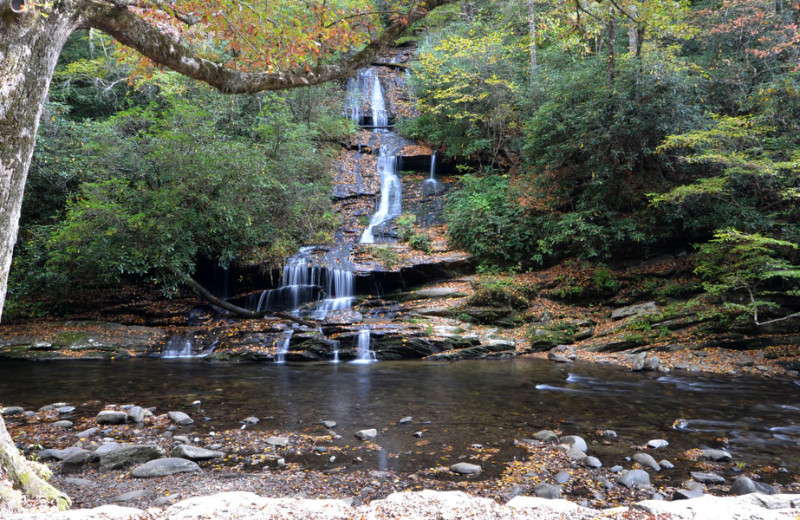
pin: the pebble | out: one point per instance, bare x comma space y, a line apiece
655, 444
634, 477
66, 409
592, 462
367, 434
111, 417
666, 464
329, 424
405, 420
180, 418
717, 455
647, 461
418, 435
63, 424
251, 420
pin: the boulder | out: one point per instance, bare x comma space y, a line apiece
126, 455
744, 486
465, 468
165, 467
180, 418
548, 491
717, 455
194, 453
547, 436
135, 414
545, 339
367, 434
647, 461
111, 417
634, 477
59, 454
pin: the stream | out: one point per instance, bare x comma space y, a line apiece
455, 405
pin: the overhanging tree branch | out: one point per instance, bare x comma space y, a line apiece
131, 30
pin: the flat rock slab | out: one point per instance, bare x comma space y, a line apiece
183, 451
165, 467
634, 310
465, 468
125, 456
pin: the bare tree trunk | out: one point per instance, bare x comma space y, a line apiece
611, 69
29, 49
532, 36
467, 10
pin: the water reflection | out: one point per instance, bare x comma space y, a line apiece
458, 404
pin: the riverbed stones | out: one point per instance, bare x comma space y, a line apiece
131, 496
135, 414
63, 410
634, 477
111, 417
666, 464
180, 418
562, 477
655, 444
562, 354
194, 453
647, 461
707, 478
717, 455
329, 424
58, 454
280, 442
744, 486
251, 420
574, 441
465, 468
690, 489
366, 435
592, 462
548, 491
12, 411
576, 453
126, 455
405, 420
165, 467
547, 436
87, 434
63, 424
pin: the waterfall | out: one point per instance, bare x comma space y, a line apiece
363, 353
307, 277
376, 102
283, 346
177, 347
390, 204
431, 186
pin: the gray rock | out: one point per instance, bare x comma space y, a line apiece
655, 444
78, 457
609, 434
194, 453
59, 454
107, 447
615, 469
124, 456
634, 477
652, 363
548, 491
12, 411
634, 310
130, 496
592, 462
63, 424
329, 424
562, 477
251, 420
647, 461
180, 418
465, 468
79, 482
546, 436
321, 449
367, 434
637, 363
111, 417
666, 464
744, 486
165, 467
53, 406
165, 501
562, 354
135, 414
278, 441
405, 420
418, 434
686, 494
66, 409
86, 434
576, 453
182, 439
707, 478
717, 455
575, 442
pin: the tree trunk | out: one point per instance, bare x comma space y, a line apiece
611, 68
29, 49
532, 36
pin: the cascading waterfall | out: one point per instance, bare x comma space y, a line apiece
391, 200
283, 346
432, 186
178, 347
325, 280
363, 353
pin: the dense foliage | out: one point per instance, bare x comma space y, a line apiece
173, 176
